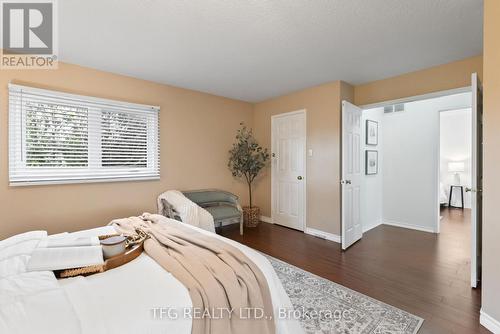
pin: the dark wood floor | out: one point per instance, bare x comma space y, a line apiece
423, 273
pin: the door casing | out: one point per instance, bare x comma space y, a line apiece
429, 96
273, 172
476, 180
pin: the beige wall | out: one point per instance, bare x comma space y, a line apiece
322, 104
196, 132
491, 221
444, 77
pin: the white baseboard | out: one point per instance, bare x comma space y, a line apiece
266, 219
489, 322
323, 235
372, 225
409, 226
308, 230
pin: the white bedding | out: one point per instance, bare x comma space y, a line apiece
31, 302
122, 300
443, 198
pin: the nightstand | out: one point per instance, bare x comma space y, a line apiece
461, 196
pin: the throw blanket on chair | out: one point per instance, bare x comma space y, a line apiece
217, 275
190, 212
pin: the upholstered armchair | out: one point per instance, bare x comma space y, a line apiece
222, 205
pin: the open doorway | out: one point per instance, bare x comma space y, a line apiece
455, 160
407, 156
400, 154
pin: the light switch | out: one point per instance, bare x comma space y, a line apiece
310, 152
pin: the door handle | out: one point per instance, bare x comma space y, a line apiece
345, 182
299, 177
468, 189
473, 190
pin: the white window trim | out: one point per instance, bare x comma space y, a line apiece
17, 119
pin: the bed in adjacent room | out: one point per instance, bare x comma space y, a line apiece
443, 197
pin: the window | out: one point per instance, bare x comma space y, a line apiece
64, 138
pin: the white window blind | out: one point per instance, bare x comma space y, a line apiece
56, 137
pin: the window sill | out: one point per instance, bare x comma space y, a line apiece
81, 181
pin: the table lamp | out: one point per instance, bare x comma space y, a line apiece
456, 167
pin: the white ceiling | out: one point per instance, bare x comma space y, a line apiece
254, 50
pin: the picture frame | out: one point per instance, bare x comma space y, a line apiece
371, 132
371, 162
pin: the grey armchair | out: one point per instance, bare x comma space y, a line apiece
222, 205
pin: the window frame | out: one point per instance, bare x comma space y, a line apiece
22, 175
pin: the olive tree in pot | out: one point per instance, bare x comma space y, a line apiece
246, 160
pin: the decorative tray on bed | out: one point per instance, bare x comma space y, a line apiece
134, 248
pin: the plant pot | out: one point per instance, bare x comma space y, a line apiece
251, 216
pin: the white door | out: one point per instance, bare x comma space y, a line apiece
288, 169
476, 180
352, 170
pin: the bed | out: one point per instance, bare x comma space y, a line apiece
138, 297
443, 198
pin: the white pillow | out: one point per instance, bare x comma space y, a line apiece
35, 303
15, 252
32, 235
31, 302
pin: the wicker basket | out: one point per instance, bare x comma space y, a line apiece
251, 216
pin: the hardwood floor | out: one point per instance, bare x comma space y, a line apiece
423, 273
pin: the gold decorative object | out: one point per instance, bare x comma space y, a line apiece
251, 216
84, 271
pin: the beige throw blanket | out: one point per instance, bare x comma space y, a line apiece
228, 291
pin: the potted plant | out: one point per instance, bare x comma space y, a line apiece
246, 160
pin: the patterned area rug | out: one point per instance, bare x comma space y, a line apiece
323, 306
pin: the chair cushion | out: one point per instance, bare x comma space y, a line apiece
221, 212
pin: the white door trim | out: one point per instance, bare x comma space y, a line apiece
476, 188
273, 192
425, 97
438, 165
417, 97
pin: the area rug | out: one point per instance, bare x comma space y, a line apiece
323, 306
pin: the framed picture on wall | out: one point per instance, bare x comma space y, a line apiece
371, 162
371, 132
